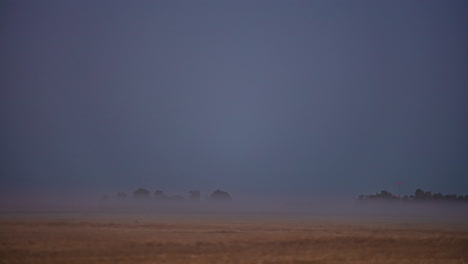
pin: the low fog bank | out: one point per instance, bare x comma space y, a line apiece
240, 205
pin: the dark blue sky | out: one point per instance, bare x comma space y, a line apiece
270, 97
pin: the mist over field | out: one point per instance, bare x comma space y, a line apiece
341, 209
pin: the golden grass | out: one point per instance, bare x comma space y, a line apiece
227, 239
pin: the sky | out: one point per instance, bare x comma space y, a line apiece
310, 98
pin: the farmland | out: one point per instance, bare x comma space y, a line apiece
227, 238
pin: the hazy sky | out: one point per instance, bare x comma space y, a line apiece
269, 97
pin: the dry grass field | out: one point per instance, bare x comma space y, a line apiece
227, 239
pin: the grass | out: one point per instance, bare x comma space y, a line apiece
226, 239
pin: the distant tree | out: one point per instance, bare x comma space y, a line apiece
460, 198
411, 197
141, 193
405, 198
105, 197
438, 196
419, 194
385, 194
451, 197
428, 196
219, 195
194, 195
121, 195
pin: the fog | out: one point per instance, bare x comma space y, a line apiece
246, 208
280, 103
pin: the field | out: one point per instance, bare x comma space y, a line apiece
227, 238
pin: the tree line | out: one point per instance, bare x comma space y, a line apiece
419, 195
159, 195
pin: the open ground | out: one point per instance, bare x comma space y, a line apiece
227, 238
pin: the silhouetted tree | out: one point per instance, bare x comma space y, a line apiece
438, 196
385, 194
419, 194
141, 193
428, 196
219, 195
451, 197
